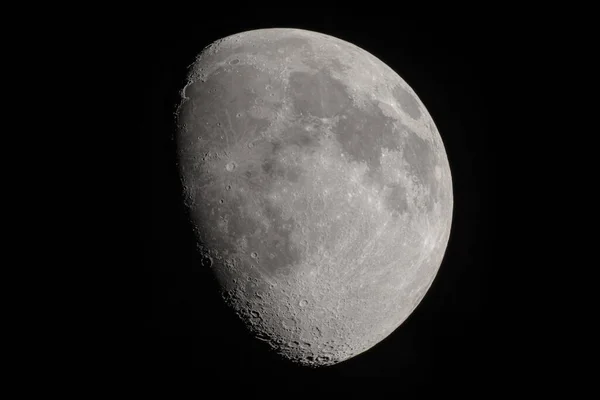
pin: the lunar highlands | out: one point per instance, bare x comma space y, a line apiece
318, 187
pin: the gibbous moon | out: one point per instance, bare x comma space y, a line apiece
318, 186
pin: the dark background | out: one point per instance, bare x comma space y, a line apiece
473, 322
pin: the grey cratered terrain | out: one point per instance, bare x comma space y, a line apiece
318, 186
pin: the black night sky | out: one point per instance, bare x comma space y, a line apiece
467, 327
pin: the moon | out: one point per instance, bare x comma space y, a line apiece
318, 187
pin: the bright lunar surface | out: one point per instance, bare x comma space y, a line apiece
318, 186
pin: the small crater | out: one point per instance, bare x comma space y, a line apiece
238, 115
288, 323
207, 261
230, 166
254, 254
234, 61
254, 314
262, 337
323, 358
221, 201
228, 187
268, 87
250, 145
303, 303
